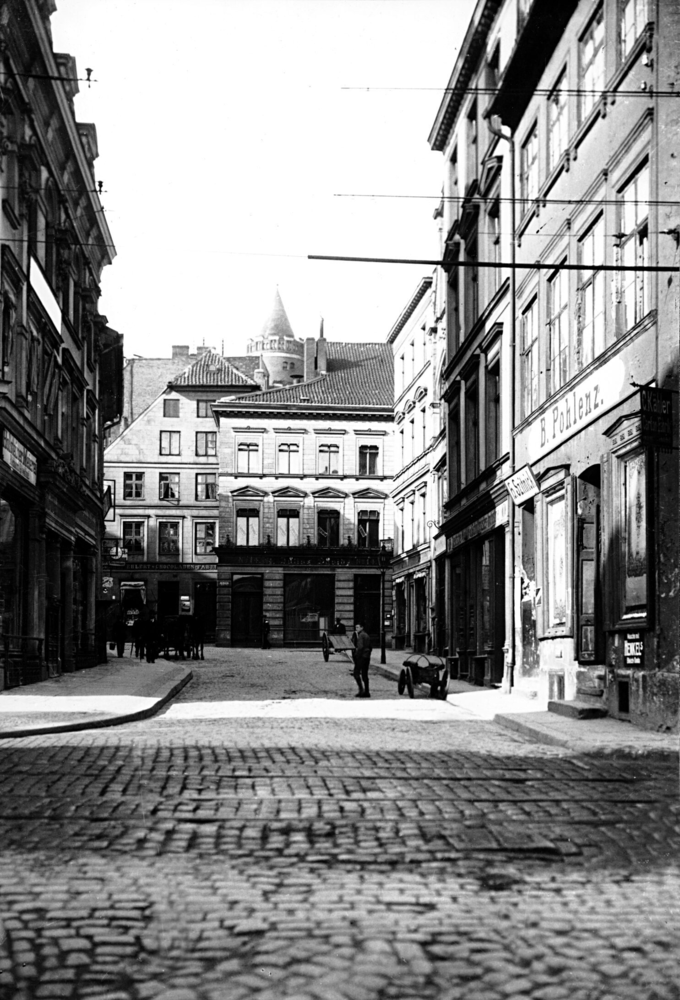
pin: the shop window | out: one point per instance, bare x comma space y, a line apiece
287, 527
589, 635
591, 64
328, 522
248, 457
633, 501
203, 407
170, 443
632, 19
204, 538
247, 526
556, 563
206, 443
171, 407
633, 251
529, 358
133, 538
168, 486
206, 486
368, 531
557, 122
168, 538
133, 485
555, 536
558, 329
288, 458
493, 412
329, 459
591, 294
368, 459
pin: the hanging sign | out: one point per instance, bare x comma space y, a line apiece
522, 486
656, 412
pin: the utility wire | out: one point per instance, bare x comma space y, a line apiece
540, 202
543, 91
529, 266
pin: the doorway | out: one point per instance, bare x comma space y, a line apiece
367, 603
246, 610
168, 599
205, 606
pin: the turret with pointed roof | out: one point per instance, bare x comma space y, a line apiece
280, 352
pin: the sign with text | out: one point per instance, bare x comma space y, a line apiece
494, 519
579, 407
522, 486
19, 458
633, 649
656, 411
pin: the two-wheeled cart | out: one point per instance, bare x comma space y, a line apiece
336, 644
424, 668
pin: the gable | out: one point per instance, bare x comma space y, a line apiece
289, 492
369, 494
328, 493
249, 491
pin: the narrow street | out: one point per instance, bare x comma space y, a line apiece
324, 847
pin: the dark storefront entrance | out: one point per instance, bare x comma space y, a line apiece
367, 603
246, 610
309, 606
168, 599
478, 585
205, 605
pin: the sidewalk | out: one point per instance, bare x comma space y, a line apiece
122, 690
531, 719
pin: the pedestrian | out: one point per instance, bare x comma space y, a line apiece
339, 628
362, 658
151, 639
265, 633
138, 637
120, 634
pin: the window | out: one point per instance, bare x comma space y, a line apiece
632, 19
204, 538
171, 407
168, 538
287, 527
368, 534
471, 431
329, 459
634, 523
558, 329
633, 295
591, 294
133, 485
454, 449
247, 526
170, 441
206, 486
591, 53
423, 429
471, 279
493, 221
471, 142
557, 123
368, 460
168, 486
529, 166
203, 407
289, 458
493, 412
133, 538
328, 528
529, 361
248, 457
556, 562
206, 442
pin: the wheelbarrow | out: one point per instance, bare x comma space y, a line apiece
336, 644
424, 668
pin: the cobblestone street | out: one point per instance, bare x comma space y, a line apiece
325, 855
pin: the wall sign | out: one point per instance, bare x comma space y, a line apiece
494, 519
656, 411
633, 649
19, 458
522, 486
579, 407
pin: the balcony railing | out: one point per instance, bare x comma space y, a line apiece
268, 554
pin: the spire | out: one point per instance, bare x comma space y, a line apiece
278, 324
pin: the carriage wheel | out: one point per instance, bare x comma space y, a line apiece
324, 647
401, 683
444, 685
409, 681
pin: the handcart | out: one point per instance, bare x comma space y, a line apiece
336, 644
424, 668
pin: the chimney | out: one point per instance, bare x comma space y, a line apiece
310, 358
180, 351
321, 354
261, 376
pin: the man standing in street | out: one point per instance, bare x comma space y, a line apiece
362, 658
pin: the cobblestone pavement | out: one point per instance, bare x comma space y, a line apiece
331, 859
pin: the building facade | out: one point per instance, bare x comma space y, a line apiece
419, 490
60, 382
584, 94
306, 520
161, 472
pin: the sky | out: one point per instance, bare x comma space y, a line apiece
235, 137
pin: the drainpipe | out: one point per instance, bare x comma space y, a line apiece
496, 128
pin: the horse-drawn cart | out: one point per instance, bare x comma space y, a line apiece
336, 644
423, 668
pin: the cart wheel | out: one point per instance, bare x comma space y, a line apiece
401, 683
324, 647
409, 681
444, 685
434, 690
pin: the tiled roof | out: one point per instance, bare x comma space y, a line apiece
247, 364
212, 369
358, 375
